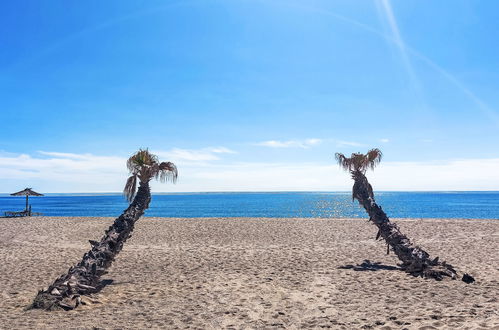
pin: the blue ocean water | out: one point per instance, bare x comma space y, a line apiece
475, 205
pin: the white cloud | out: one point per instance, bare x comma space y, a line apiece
60, 162
290, 143
398, 176
340, 143
465, 174
193, 155
312, 142
70, 172
221, 150
65, 155
62, 172
384, 140
176, 154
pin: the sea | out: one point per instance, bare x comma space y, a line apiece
472, 205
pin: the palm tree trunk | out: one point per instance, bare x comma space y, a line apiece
84, 278
415, 260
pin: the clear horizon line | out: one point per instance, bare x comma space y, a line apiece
256, 191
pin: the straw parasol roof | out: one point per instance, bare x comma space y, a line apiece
26, 192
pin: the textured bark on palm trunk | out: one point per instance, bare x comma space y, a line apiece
84, 278
414, 259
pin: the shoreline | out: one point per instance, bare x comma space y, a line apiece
253, 273
252, 218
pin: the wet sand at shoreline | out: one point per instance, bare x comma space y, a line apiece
253, 273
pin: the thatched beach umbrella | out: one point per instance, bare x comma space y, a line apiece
26, 192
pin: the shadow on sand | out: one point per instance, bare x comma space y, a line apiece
104, 283
367, 265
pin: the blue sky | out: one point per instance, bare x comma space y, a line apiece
249, 95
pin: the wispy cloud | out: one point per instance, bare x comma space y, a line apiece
384, 140
341, 143
460, 174
221, 150
195, 155
398, 176
63, 171
65, 155
70, 172
307, 143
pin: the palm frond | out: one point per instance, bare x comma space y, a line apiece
140, 159
358, 161
373, 157
168, 172
144, 166
343, 161
130, 188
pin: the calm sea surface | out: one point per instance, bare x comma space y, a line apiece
477, 205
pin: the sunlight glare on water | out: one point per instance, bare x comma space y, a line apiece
475, 205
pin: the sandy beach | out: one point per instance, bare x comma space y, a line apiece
253, 273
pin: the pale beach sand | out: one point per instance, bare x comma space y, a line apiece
253, 273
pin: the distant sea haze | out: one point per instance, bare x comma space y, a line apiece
473, 205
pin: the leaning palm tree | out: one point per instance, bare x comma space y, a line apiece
84, 278
414, 259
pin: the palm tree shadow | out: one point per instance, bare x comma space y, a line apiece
106, 282
368, 265
103, 283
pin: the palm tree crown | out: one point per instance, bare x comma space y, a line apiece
359, 162
144, 166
